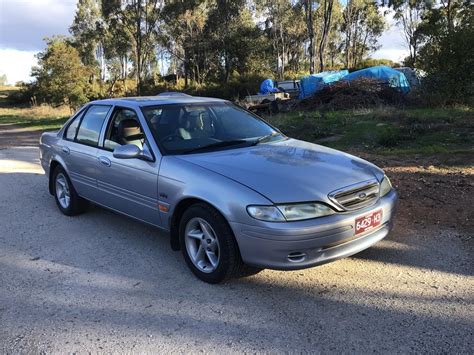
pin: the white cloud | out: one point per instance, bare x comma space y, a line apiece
396, 55
23, 26
24, 23
16, 64
392, 41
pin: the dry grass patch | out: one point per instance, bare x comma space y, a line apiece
37, 118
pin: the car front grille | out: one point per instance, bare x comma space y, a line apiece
356, 196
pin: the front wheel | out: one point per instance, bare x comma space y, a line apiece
209, 246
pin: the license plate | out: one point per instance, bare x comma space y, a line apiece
366, 223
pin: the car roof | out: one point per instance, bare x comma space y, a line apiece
161, 99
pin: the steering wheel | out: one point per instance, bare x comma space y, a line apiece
171, 137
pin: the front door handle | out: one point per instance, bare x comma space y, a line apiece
105, 161
65, 149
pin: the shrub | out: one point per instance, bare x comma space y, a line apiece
390, 137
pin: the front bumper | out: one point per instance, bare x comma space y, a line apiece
303, 244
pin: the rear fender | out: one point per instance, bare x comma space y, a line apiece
55, 160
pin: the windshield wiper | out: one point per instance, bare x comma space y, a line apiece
221, 144
266, 138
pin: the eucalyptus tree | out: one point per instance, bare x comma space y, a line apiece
283, 24
446, 56
117, 43
183, 24
308, 7
233, 35
326, 6
411, 16
88, 34
363, 24
322, 23
136, 21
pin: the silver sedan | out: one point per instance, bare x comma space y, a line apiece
235, 194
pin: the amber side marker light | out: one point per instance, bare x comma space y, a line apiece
163, 208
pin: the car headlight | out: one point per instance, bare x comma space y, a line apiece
385, 186
292, 212
266, 213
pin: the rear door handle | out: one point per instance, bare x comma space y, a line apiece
105, 161
65, 149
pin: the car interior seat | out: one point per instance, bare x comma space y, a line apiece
129, 132
191, 126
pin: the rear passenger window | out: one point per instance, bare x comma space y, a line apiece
91, 125
72, 129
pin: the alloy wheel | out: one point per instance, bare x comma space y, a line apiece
202, 244
62, 191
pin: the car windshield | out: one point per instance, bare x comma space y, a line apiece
194, 128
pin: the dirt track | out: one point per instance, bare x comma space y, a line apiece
12, 135
101, 282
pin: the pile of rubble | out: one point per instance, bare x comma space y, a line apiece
355, 94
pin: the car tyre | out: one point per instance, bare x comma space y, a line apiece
213, 240
66, 197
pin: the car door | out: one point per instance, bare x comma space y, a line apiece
78, 149
129, 186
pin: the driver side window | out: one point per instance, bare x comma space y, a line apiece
124, 128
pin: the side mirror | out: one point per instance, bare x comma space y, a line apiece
127, 151
131, 151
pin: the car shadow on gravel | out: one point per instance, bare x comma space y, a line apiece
251, 314
444, 251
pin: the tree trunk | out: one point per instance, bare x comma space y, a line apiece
308, 4
138, 49
282, 71
186, 75
227, 68
186, 68
348, 29
326, 26
355, 41
449, 16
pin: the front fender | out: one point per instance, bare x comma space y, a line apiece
181, 181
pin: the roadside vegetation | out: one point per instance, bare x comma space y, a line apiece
384, 130
226, 48
39, 117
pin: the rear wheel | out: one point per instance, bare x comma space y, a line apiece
67, 199
209, 246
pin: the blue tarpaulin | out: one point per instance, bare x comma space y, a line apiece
267, 87
315, 82
383, 73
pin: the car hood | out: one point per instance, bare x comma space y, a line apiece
288, 171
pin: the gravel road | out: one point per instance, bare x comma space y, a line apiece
104, 283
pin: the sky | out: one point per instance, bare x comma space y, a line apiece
25, 23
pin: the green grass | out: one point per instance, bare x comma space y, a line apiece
384, 130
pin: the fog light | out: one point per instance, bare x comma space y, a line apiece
296, 257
